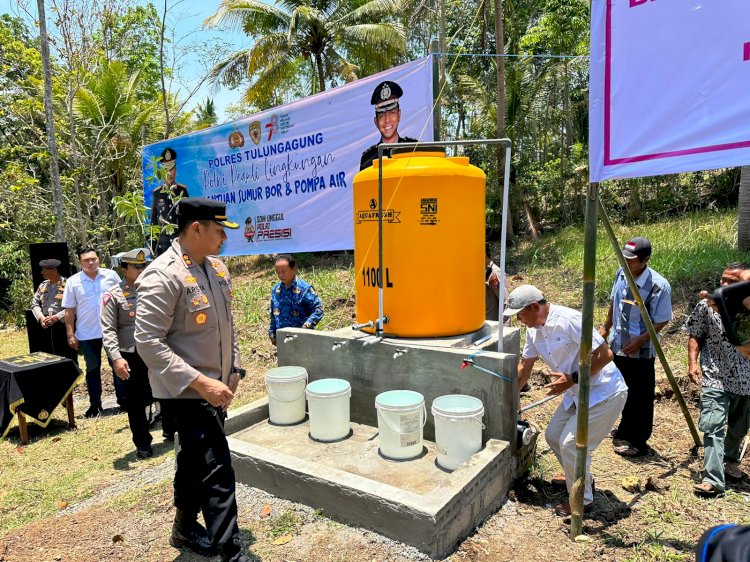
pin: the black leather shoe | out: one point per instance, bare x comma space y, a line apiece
188, 533
93, 411
145, 453
233, 553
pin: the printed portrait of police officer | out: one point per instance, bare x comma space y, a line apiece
164, 202
387, 116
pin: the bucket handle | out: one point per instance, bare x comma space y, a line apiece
477, 419
268, 390
398, 432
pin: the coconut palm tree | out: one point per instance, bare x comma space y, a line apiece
327, 41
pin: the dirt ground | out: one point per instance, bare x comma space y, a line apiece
659, 519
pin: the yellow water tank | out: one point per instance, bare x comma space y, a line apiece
433, 244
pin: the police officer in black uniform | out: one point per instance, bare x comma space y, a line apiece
164, 201
387, 116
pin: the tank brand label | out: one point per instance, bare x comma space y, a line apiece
371, 277
428, 211
389, 215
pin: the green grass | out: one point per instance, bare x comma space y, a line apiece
690, 252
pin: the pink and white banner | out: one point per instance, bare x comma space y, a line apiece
669, 86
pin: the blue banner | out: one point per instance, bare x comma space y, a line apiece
286, 173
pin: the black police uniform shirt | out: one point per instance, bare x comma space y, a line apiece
371, 154
164, 204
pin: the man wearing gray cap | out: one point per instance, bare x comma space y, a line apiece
554, 334
387, 117
118, 327
46, 306
185, 334
634, 352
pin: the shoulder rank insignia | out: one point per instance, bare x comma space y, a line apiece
126, 294
204, 299
187, 260
201, 318
221, 273
190, 279
215, 264
59, 296
196, 300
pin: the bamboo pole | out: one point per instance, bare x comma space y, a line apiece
649, 325
584, 369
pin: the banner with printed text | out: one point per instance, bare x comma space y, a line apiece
669, 86
286, 174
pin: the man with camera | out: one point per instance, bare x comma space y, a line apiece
723, 374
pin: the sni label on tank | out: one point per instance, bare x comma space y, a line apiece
428, 211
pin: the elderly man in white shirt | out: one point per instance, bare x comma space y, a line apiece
554, 334
82, 303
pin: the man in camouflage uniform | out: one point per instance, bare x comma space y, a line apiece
387, 117
164, 201
294, 302
185, 334
118, 326
46, 306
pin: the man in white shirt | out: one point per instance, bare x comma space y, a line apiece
554, 334
82, 303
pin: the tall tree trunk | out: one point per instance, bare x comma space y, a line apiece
76, 176
54, 164
743, 208
500, 124
165, 97
321, 75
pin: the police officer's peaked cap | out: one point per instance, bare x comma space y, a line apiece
201, 208
139, 256
386, 96
168, 158
49, 264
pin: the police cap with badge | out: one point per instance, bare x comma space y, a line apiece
200, 209
168, 158
386, 96
49, 264
139, 256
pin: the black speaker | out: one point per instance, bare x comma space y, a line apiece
49, 251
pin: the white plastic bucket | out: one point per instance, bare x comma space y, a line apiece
286, 394
458, 428
401, 417
328, 403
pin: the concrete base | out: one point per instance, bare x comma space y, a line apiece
415, 502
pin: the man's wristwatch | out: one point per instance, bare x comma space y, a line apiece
240, 371
574, 377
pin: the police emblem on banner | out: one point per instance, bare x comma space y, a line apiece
255, 131
236, 140
249, 229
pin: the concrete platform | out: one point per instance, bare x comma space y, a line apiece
415, 502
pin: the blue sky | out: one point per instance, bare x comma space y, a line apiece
185, 17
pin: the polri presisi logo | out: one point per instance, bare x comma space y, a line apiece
249, 229
255, 131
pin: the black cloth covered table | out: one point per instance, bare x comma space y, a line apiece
34, 384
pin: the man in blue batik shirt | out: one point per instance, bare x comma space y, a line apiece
294, 302
634, 352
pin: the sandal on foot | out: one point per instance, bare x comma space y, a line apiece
707, 490
563, 509
732, 471
628, 450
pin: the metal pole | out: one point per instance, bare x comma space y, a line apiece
435, 52
584, 369
415, 145
649, 325
503, 241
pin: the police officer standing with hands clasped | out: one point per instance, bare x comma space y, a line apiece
387, 117
118, 327
185, 334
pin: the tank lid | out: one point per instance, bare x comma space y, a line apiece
418, 150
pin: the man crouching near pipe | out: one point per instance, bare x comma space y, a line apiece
554, 334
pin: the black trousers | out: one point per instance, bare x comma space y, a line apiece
138, 391
637, 421
204, 478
